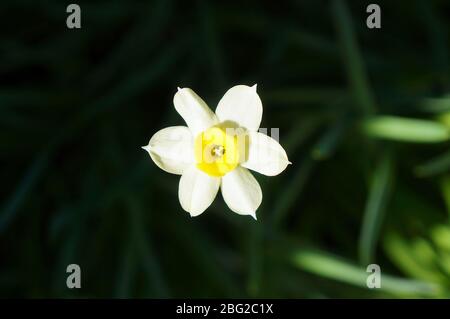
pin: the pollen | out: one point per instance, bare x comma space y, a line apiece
216, 151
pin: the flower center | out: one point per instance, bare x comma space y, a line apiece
216, 152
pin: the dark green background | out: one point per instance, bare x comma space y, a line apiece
77, 105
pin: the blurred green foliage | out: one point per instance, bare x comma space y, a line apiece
364, 116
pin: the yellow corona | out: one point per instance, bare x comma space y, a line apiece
216, 152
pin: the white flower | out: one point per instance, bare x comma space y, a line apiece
216, 150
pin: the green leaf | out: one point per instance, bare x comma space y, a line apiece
405, 129
127, 271
12, 206
437, 165
256, 242
445, 188
352, 58
435, 105
332, 267
402, 253
144, 248
441, 237
330, 140
290, 195
375, 209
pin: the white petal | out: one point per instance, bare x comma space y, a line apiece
172, 149
241, 105
197, 190
194, 111
265, 155
241, 192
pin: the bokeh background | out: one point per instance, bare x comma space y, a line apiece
363, 115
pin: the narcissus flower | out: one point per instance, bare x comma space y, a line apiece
216, 150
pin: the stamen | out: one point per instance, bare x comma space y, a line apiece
218, 151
